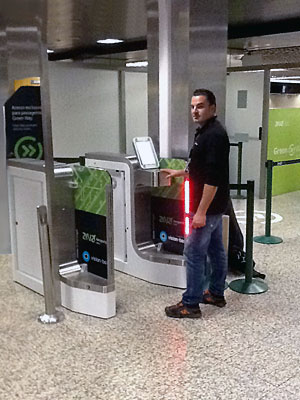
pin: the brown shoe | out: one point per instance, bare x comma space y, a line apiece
209, 298
182, 311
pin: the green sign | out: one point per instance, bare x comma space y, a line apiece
28, 147
284, 145
23, 124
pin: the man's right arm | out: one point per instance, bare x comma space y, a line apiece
174, 173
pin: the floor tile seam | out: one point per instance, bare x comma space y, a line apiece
264, 380
242, 347
245, 373
225, 359
260, 378
276, 387
286, 382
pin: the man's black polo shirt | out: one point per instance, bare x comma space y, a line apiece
209, 164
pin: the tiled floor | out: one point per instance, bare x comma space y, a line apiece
248, 350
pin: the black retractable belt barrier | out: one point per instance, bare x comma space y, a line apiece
267, 238
238, 195
249, 285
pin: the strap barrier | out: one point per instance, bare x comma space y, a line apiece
239, 145
249, 285
267, 238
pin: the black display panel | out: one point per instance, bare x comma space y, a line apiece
91, 242
23, 124
168, 223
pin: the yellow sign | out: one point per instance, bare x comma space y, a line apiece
33, 81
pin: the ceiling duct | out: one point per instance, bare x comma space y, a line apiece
280, 56
74, 26
80, 23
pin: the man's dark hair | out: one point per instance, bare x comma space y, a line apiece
211, 98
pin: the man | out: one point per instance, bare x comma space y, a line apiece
209, 188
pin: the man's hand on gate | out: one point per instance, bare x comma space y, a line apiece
173, 173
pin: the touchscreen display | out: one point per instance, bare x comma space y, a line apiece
146, 152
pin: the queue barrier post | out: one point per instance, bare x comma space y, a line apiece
239, 171
51, 315
267, 238
249, 285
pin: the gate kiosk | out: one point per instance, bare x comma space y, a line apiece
133, 179
138, 243
87, 283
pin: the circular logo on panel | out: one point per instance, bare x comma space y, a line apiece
28, 147
163, 236
86, 256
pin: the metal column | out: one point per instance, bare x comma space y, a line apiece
208, 51
4, 226
264, 137
191, 54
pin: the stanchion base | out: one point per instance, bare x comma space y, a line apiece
255, 287
238, 197
58, 316
267, 239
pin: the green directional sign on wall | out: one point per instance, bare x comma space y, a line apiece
284, 145
23, 124
28, 147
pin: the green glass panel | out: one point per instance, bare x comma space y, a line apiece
90, 191
175, 191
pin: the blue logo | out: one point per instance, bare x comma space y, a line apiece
163, 236
86, 256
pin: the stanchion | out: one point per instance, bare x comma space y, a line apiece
249, 285
239, 171
51, 315
267, 238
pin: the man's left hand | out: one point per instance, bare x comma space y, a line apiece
199, 220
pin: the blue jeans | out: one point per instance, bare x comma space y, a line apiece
203, 242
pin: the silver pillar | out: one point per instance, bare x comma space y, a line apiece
191, 54
178, 69
208, 51
4, 226
59, 196
51, 314
168, 88
18, 59
153, 71
122, 112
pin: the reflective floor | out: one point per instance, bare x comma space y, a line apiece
248, 350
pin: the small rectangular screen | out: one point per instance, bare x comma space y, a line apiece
146, 152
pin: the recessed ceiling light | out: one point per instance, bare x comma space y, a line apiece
109, 41
137, 64
50, 51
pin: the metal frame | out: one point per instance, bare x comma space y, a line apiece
264, 136
5, 245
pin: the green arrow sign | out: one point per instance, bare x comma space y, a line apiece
28, 146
